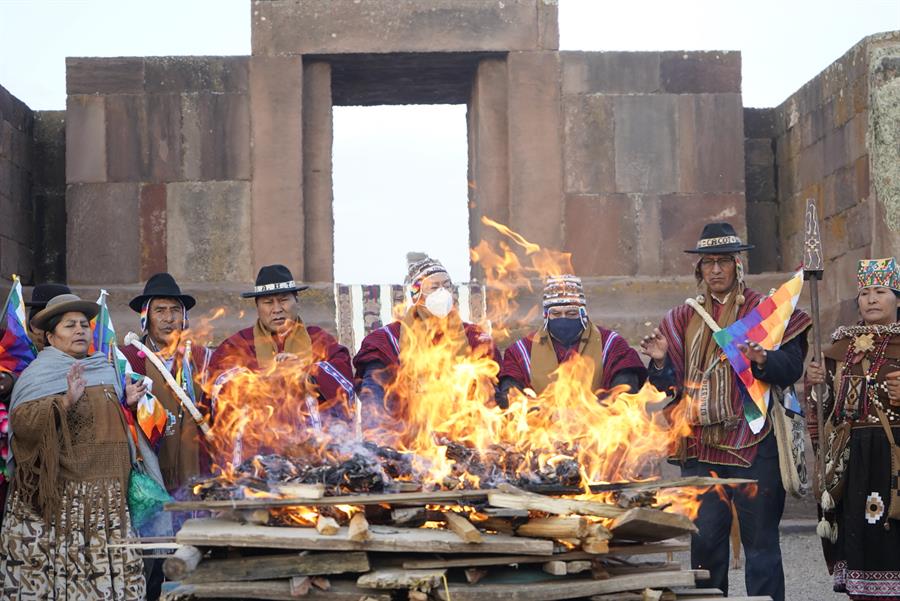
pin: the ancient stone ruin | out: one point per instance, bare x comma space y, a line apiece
209, 167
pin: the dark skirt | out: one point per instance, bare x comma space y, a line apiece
867, 553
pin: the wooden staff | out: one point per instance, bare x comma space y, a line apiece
813, 267
134, 340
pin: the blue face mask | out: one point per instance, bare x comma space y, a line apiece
566, 329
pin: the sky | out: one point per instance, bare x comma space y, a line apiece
400, 172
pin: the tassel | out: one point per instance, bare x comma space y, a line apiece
827, 501
834, 533
824, 529
740, 300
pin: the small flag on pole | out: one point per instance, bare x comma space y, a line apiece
16, 348
765, 325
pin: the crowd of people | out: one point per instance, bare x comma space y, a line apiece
74, 445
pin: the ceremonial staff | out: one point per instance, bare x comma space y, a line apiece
135, 341
812, 272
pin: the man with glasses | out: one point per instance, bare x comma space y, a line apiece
568, 331
687, 362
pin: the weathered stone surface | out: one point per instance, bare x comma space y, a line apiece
839, 192
143, 137
225, 140
646, 152
102, 233
318, 201
610, 72
104, 75
208, 231
762, 232
682, 218
759, 123
191, 137
710, 143
184, 74
276, 104
85, 139
488, 131
15, 112
759, 172
535, 146
15, 203
49, 196
699, 72
590, 161
152, 226
601, 234
283, 27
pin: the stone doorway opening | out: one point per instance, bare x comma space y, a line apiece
400, 185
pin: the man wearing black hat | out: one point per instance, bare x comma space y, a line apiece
686, 361
279, 336
164, 323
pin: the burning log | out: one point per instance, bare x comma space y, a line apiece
462, 527
555, 527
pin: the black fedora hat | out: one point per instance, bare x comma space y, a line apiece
42, 293
161, 285
719, 238
273, 279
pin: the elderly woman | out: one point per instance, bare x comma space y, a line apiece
861, 377
73, 456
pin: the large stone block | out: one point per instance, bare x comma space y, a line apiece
225, 136
710, 143
85, 139
103, 233
682, 217
535, 146
152, 214
293, 27
185, 74
15, 111
16, 258
143, 137
15, 203
646, 146
762, 232
701, 72
759, 123
590, 140
104, 75
610, 72
601, 234
276, 105
834, 150
318, 198
208, 231
488, 130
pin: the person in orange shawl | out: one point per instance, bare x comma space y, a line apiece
280, 339
433, 313
568, 331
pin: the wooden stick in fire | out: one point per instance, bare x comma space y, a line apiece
134, 340
813, 267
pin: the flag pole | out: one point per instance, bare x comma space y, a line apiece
813, 268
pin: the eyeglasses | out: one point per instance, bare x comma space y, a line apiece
722, 262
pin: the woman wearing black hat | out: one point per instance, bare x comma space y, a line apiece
73, 456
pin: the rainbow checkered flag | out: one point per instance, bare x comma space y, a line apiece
765, 325
151, 416
16, 348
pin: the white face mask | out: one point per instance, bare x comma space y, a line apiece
439, 303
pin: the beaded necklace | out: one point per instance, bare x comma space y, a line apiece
872, 360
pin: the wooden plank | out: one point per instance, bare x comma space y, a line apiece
276, 590
271, 567
553, 505
462, 527
555, 568
300, 491
688, 482
554, 527
412, 498
212, 532
642, 524
393, 578
689, 593
564, 589
617, 550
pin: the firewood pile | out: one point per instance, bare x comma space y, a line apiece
278, 532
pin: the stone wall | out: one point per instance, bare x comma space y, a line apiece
836, 140
653, 149
16, 175
158, 169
